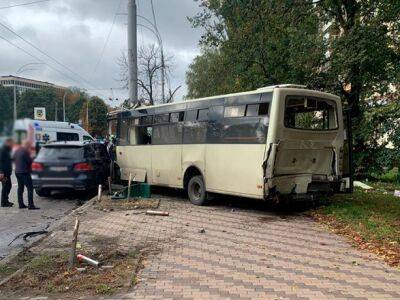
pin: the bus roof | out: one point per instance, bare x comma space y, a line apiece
259, 90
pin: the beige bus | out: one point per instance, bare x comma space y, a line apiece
274, 141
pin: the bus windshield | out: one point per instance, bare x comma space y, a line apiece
310, 113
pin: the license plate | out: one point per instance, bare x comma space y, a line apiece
58, 169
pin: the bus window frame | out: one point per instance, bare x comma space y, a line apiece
285, 124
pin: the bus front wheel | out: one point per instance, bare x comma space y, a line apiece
197, 190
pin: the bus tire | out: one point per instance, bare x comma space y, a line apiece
197, 190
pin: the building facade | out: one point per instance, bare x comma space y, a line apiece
25, 84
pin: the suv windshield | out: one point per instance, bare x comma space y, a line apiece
60, 152
310, 113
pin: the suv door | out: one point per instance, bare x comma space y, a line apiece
102, 159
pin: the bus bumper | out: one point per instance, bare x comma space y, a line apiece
305, 185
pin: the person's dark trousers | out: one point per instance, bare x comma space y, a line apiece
25, 180
5, 191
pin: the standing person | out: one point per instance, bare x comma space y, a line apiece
23, 163
5, 172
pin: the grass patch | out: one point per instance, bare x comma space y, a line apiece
14, 264
48, 274
371, 219
6, 271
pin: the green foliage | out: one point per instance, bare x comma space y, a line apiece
6, 105
39, 98
97, 117
250, 44
391, 176
377, 136
74, 110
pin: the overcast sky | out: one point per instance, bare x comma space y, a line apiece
74, 32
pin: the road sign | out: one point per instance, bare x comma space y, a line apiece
40, 113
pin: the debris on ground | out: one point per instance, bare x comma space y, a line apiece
106, 204
202, 230
396, 193
82, 258
157, 213
48, 274
362, 185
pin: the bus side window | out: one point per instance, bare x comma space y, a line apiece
123, 132
191, 115
144, 135
176, 117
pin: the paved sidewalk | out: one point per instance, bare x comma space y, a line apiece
220, 252
14, 221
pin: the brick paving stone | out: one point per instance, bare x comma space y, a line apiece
242, 254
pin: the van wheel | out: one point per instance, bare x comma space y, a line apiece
197, 190
43, 192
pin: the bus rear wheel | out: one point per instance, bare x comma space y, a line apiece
197, 190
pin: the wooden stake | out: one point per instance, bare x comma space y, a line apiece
129, 186
99, 192
72, 255
109, 185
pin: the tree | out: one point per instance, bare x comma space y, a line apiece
75, 108
363, 43
257, 43
47, 98
6, 105
97, 117
149, 78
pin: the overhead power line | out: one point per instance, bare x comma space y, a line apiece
24, 4
108, 38
47, 55
38, 59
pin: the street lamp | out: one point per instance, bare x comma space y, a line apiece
19, 71
22, 69
65, 95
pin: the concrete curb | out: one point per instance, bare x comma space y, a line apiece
52, 228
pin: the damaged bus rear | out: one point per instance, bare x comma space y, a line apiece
305, 144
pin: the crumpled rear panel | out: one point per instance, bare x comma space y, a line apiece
303, 161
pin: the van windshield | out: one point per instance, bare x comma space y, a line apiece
310, 113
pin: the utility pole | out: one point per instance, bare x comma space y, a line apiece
132, 51
15, 100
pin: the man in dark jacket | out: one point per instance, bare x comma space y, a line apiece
5, 172
23, 163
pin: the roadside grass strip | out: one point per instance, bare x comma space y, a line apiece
371, 219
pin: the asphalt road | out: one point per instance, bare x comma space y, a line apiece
15, 221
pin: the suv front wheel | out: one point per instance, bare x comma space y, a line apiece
197, 190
